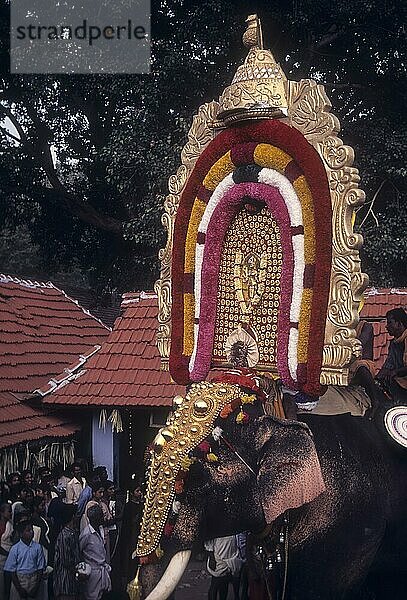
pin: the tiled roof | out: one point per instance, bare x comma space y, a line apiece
105, 307
22, 423
377, 302
42, 332
126, 371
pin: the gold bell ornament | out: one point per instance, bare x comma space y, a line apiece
134, 587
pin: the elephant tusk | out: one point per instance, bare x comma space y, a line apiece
171, 576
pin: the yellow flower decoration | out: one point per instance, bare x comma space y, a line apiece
304, 325
186, 463
212, 457
240, 417
247, 399
266, 155
218, 171
159, 552
198, 210
304, 194
189, 310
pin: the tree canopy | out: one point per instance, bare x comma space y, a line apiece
84, 165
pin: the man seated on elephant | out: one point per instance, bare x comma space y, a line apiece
362, 372
393, 373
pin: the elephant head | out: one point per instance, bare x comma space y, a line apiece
256, 469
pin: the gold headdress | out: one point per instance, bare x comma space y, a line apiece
258, 87
190, 423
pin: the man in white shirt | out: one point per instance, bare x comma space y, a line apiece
224, 564
93, 552
75, 485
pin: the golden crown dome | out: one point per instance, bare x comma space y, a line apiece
258, 87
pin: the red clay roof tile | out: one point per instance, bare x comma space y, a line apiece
22, 423
43, 332
126, 371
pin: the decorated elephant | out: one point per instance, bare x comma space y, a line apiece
338, 484
262, 270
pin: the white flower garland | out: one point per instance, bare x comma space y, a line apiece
214, 200
287, 191
292, 352
307, 406
298, 277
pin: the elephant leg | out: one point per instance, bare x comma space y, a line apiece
219, 588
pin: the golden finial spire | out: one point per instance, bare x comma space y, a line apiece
253, 36
258, 87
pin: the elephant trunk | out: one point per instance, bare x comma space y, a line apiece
171, 576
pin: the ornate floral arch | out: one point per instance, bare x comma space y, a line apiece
301, 139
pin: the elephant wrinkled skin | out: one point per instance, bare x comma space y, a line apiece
338, 538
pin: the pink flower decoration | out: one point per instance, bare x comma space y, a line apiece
204, 447
222, 217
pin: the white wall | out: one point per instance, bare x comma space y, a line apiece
102, 445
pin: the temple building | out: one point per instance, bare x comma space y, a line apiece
121, 388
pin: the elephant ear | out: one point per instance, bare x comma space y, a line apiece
289, 474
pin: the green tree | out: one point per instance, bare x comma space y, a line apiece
84, 169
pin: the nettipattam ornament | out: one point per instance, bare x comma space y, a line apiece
190, 423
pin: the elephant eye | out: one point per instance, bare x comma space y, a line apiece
222, 470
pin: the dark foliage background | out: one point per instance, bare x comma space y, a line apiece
83, 179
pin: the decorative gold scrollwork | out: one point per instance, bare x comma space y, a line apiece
308, 110
199, 136
309, 113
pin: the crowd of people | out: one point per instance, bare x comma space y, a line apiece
59, 534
